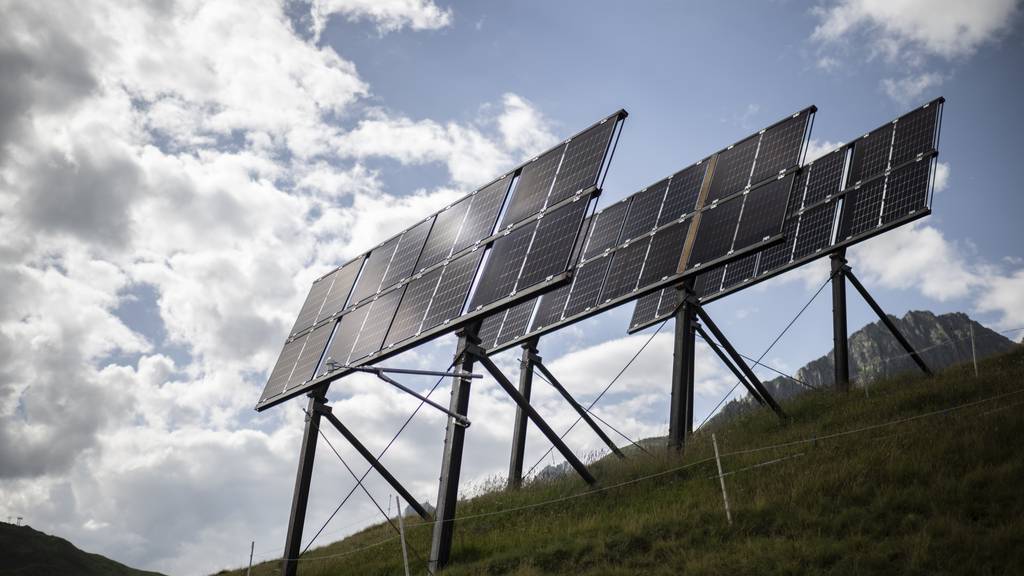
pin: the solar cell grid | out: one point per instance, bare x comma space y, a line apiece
443, 234
314, 301
780, 147
666, 250
373, 271
780, 254
413, 307
345, 334
709, 282
552, 304
825, 177
906, 192
453, 289
644, 210
683, 190
586, 286
605, 228
532, 187
669, 301
915, 134
309, 357
715, 232
517, 320
871, 155
582, 163
732, 171
501, 270
863, 209
739, 271
764, 208
283, 369
489, 328
552, 244
378, 321
483, 214
403, 264
344, 277
815, 231
624, 272
646, 308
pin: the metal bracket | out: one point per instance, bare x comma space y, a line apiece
381, 373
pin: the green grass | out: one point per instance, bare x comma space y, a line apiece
937, 494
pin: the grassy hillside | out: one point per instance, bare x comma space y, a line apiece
28, 552
922, 477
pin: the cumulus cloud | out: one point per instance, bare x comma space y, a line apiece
913, 88
388, 15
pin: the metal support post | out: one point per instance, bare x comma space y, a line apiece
300, 497
725, 360
887, 321
537, 420
369, 457
578, 407
515, 465
751, 377
680, 425
840, 346
451, 460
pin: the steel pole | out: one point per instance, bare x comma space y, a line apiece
578, 408
303, 476
887, 321
515, 465
840, 345
681, 408
725, 360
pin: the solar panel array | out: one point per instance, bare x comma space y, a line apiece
875, 183
419, 284
729, 203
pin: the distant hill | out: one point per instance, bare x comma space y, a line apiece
28, 552
942, 341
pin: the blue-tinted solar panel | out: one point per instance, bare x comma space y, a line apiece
552, 244
732, 171
403, 264
344, 278
683, 191
376, 266
764, 208
715, 232
442, 235
531, 189
644, 210
483, 214
413, 307
605, 228
780, 147
586, 286
583, 161
624, 272
378, 321
915, 134
504, 263
871, 155
666, 250
453, 289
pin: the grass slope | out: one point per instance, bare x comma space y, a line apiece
893, 483
28, 552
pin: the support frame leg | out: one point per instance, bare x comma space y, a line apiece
303, 478
683, 353
578, 408
840, 345
887, 321
515, 465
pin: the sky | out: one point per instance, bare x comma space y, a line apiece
174, 174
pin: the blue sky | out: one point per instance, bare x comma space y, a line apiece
173, 177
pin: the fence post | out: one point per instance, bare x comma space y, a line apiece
401, 532
721, 480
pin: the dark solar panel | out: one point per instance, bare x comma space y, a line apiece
605, 228
517, 321
489, 328
309, 358
739, 271
450, 298
552, 244
764, 208
504, 263
581, 239
915, 134
683, 190
583, 160
344, 277
862, 209
370, 277
669, 301
871, 155
483, 214
715, 232
443, 234
732, 171
646, 309
586, 286
815, 232
314, 301
906, 192
624, 272
345, 334
552, 304
666, 249
780, 254
644, 210
780, 147
708, 283
283, 369
409, 317
378, 321
409, 247
531, 190
824, 177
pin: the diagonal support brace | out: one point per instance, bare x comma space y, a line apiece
583, 412
725, 360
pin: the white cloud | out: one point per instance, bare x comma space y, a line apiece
818, 148
941, 176
913, 88
389, 15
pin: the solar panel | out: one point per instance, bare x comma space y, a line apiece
309, 357
644, 210
764, 208
815, 232
283, 369
715, 232
531, 189
915, 134
780, 254
344, 278
708, 282
906, 191
442, 235
345, 333
517, 320
683, 190
413, 307
624, 271
403, 264
780, 147
871, 154
551, 306
605, 228
453, 289
739, 271
314, 302
552, 244
666, 250
489, 328
483, 214
504, 261
586, 286
732, 171
646, 308
863, 209
582, 163
378, 321
824, 177
369, 281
